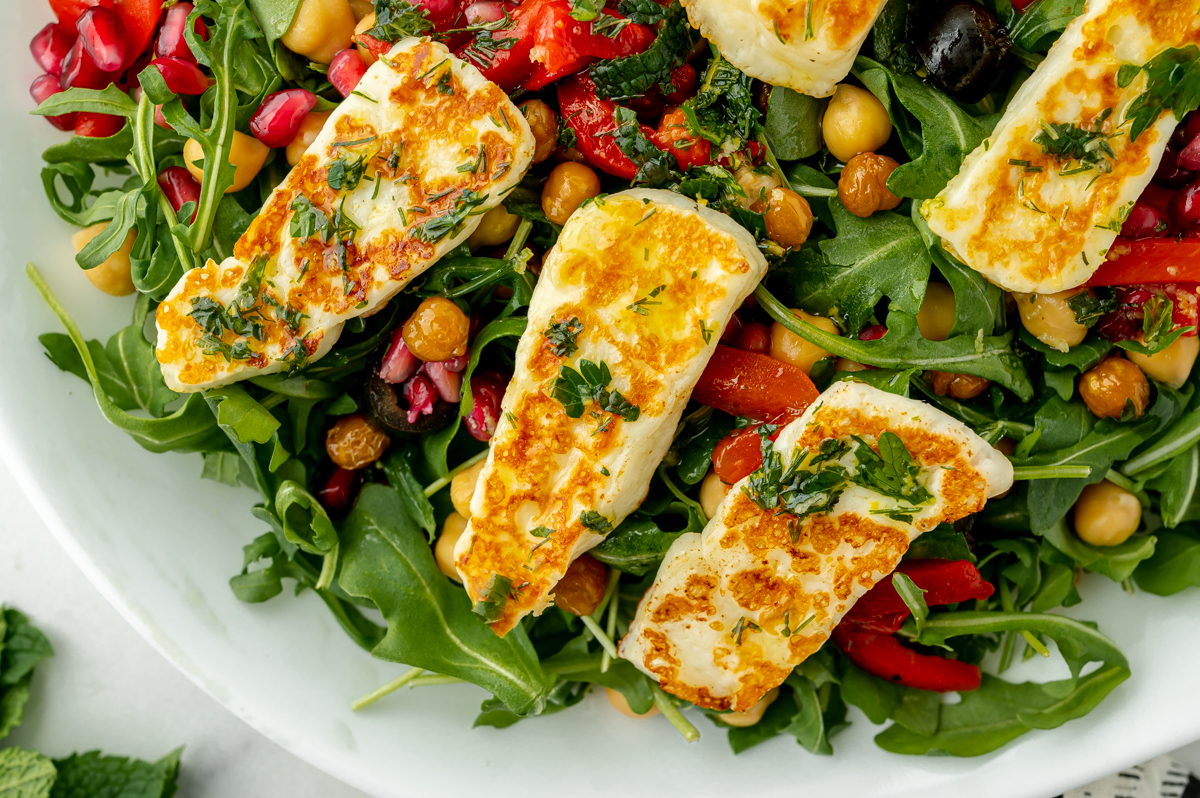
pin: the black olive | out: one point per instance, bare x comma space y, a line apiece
385, 407
964, 51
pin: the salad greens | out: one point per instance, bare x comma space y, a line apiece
371, 562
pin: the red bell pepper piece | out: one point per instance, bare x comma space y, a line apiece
754, 386
739, 454
1151, 261
866, 633
592, 120
884, 656
507, 65
674, 136
564, 45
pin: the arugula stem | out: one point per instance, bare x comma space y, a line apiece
328, 569
671, 712
435, 679
610, 594
613, 577
387, 689
144, 120
438, 484
223, 118
609, 647
1006, 602
518, 239
1120, 480
1051, 472
274, 400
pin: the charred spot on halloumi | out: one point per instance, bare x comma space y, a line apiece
628, 309
400, 175
849, 486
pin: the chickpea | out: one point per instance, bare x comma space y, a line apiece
621, 705
360, 8
712, 492
789, 219
306, 134
936, 316
320, 29
791, 348
496, 227
462, 488
758, 187
544, 124
246, 153
352, 442
862, 186
845, 364
582, 587
443, 551
1172, 365
752, 715
855, 121
364, 25
1107, 387
958, 386
437, 330
113, 276
1106, 514
1050, 319
567, 187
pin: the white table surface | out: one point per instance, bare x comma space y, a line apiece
107, 688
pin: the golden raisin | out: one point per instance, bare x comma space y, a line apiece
788, 218
353, 443
958, 386
862, 187
581, 589
567, 187
1111, 385
544, 124
437, 330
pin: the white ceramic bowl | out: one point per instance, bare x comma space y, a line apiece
160, 543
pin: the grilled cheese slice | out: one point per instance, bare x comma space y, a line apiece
400, 175
806, 45
1023, 213
632, 299
735, 608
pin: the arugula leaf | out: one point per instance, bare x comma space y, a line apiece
943, 542
636, 546
882, 255
1039, 25
109, 100
25, 774
1175, 564
93, 775
576, 662
399, 469
947, 134
1116, 562
1172, 84
913, 598
793, 124
305, 521
1177, 487
430, 623
564, 695
876, 697
978, 303
634, 75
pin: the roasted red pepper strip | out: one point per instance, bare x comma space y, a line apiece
564, 45
944, 582
592, 120
754, 386
884, 656
866, 633
739, 454
1151, 260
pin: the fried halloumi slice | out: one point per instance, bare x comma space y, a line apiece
1036, 207
399, 176
806, 45
735, 608
628, 308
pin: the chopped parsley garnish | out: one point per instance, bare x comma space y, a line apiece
562, 336
443, 84
1069, 142
241, 318
483, 48
493, 597
399, 19
595, 522
308, 220
439, 227
290, 316
586, 10
1088, 308
347, 174
705, 332
573, 389
1157, 319
542, 531
640, 306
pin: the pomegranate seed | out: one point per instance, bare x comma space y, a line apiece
398, 364
346, 70
732, 329
754, 337
50, 46
98, 126
1189, 156
339, 491
456, 364
79, 70
103, 37
487, 392
1134, 296
872, 333
1145, 221
45, 87
1184, 208
1169, 172
277, 119
180, 188
438, 10
484, 11
448, 383
171, 40
420, 395
181, 76
1191, 129
161, 120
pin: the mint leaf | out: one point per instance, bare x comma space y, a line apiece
24, 647
94, 775
25, 774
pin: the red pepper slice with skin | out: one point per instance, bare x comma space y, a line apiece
563, 45
944, 582
1150, 261
754, 386
739, 454
592, 120
508, 67
886, 657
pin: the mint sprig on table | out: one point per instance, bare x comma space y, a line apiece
30, 774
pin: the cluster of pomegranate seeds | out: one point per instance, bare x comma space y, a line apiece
424, 384
1179, 169
1125, 323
